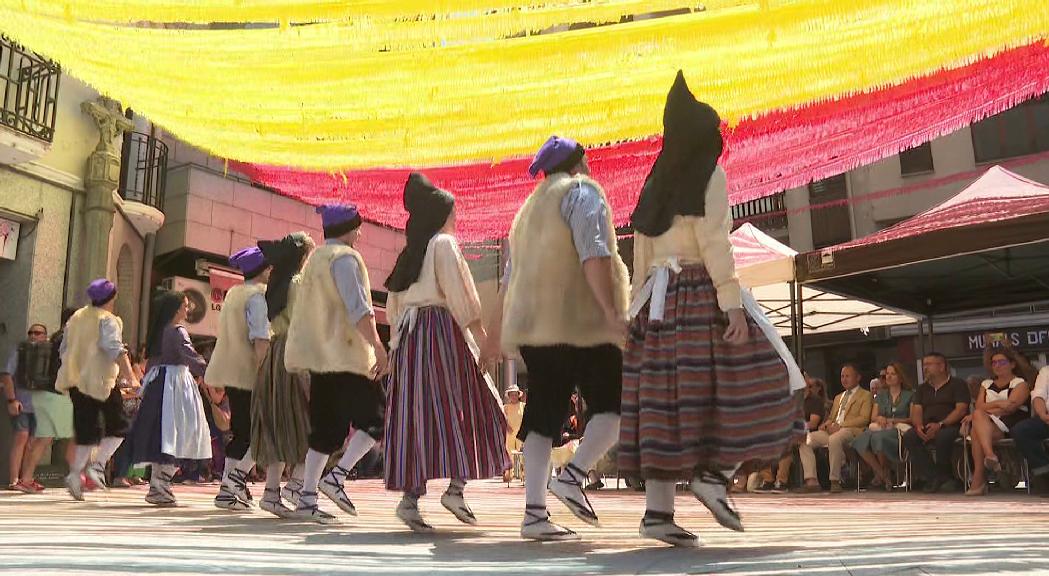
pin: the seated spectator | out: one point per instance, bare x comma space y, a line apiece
1030, 434
880, 443
815, 410
848, 417
1002, 405
936, 414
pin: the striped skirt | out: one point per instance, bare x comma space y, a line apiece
442, 421
280, 411
691, 401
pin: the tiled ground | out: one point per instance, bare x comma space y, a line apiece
855, 534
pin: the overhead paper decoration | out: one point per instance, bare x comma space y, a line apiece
277, 11
384, 28
774, 152
313, 100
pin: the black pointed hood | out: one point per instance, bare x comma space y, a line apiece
677, 183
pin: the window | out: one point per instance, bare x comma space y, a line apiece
767, 213
917, 160
1016, 132
830, 224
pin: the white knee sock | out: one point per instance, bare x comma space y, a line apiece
273, 476
359, 445
83, 454
246, 463
456, 486
231, 463
106, 448
297, 472
311, 477
537, 468
659, 496
730, 472
160, 476
602, 433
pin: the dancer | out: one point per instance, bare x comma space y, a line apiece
565, 312
280, 413
442, 419
171, 424
241, 347
93, 356
699, 397
333, 337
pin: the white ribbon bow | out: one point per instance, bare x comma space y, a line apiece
655, 289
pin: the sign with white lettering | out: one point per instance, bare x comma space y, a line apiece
9, 230
1033, 337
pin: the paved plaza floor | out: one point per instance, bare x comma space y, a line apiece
855, 534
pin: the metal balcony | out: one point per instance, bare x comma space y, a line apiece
28, 91
143, 169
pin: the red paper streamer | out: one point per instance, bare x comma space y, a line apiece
764, 155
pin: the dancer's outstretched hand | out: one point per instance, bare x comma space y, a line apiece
737, 332
382, 363
491, 353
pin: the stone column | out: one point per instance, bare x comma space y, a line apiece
101, 178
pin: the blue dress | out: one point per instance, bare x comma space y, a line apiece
886, 442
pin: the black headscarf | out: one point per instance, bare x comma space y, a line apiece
677, 183
428, 208
165, 306
286, 256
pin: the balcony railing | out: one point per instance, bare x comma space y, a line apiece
28, 91
143, 169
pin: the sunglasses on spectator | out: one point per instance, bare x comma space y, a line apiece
37, 333
1002, 362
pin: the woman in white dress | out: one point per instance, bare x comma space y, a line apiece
1000, 404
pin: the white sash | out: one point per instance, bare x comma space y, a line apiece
750, 304
655, 289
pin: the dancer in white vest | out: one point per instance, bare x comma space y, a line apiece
93, 356
280, 425
170, 424
333, 337
242, 344
442, 418
565, 312
700, 395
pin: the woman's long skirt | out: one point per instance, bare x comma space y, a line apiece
691, 400
171, 424
442, 420
280, 411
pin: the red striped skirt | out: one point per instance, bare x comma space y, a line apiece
442, 421
691, 401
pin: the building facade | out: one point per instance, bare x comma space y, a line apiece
873, 197
66, 213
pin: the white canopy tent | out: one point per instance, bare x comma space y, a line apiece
766, 267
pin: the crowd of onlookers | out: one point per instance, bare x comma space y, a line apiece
875, 435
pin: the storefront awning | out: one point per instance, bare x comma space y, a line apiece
988, 246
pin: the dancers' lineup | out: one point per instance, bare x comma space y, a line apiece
672, 367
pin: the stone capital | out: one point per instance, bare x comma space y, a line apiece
110, 121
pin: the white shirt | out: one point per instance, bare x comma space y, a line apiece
992, 395
840, 419
1041, 385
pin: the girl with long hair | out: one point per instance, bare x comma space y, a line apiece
171, 424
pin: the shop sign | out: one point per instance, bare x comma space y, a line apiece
1032, 337
9, 230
